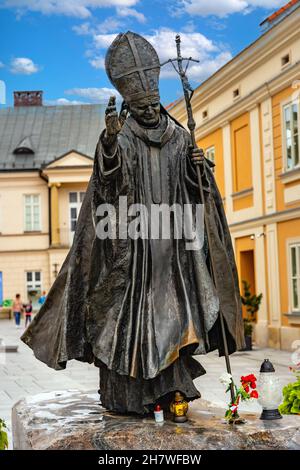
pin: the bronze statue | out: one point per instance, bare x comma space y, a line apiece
141, 307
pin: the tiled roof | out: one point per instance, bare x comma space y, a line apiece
51, 131
279, 12
173, 103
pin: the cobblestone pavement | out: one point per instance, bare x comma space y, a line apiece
22, 375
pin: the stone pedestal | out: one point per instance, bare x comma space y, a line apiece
71, 419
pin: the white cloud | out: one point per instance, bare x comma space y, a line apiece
1, 65
163, 40
23, 66
194, 45
95, 95
199, 72
222, 8
269, 4
77, 8
216, 23
210, 54
108, 25
97, 62
83, 29
63, 102
210, 65
125, 11
189, 27
103, 41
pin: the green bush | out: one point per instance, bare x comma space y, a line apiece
291, 397
3, 436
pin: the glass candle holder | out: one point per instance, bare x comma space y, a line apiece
269, 391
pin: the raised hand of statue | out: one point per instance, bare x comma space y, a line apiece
112, 122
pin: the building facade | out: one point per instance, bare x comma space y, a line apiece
248, 122
46, 159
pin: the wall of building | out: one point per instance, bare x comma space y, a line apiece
215, 139
13, 188
256, 66
22, 251
286, 197
14, 266
64, 209
288, 233
56, 258
262, 199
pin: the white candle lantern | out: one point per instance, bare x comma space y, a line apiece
269, 391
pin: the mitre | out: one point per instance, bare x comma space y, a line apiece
133, 67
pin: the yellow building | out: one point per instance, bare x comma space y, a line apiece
46, 159
247, 117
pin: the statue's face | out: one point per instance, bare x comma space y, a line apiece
146, 111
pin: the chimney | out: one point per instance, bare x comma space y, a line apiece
28, 98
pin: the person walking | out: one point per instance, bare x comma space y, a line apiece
42, 298
17, 309
28, 313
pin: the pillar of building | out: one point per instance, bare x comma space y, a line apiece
54, 211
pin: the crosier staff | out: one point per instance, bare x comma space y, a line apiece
188, 94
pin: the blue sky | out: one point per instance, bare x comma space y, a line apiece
58, 46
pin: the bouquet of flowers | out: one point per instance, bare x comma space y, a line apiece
246, 391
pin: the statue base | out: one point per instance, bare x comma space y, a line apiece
71, 419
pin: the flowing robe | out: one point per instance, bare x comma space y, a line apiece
140, 308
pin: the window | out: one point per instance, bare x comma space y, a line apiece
291, 134
33, 282
236, 93
75, 201
285, 60
210, 154
295, 276
32, 212
205, 114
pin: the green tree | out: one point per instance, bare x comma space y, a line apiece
252, 303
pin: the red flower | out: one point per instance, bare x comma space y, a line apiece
249, 378
254, 394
